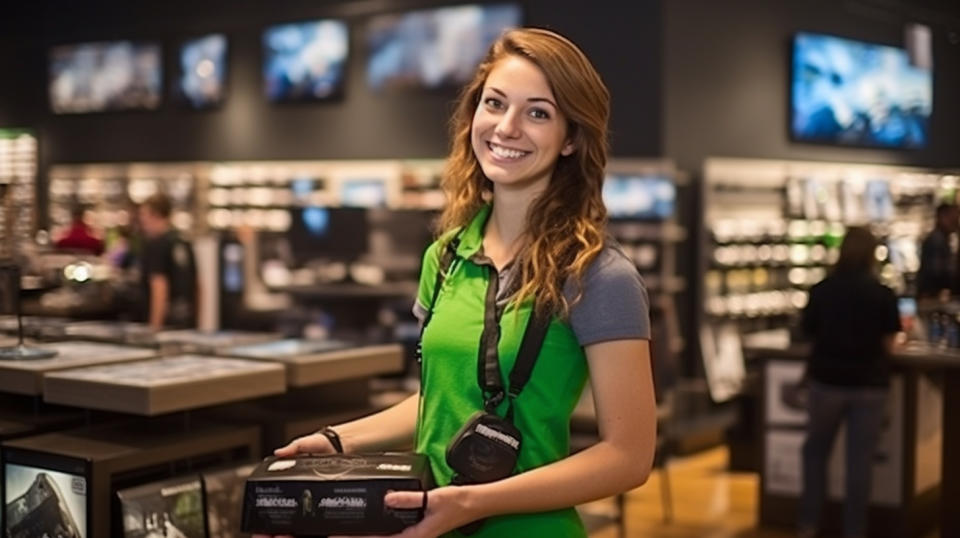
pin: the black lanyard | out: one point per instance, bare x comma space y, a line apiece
488, 359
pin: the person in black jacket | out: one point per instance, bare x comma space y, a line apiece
852, 320
168, 271
938, 255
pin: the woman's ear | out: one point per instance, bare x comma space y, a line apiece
568, 148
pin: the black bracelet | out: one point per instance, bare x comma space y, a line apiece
333, 437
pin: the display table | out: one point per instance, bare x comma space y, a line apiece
114, 332
312, 362
352, 291
26, 377
140, 334
88, 465
193, 341
34, 326
911, 474
164, 385
328, 382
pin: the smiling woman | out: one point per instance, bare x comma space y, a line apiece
522, 251
517, 137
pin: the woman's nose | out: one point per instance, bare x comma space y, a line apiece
509, 125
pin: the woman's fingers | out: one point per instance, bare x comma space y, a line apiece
309, 443
406, 499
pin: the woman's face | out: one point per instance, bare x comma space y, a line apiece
518, 132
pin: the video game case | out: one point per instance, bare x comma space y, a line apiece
338, 494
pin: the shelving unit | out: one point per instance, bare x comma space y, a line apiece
18, 190
644, 221
110, 190
772, 229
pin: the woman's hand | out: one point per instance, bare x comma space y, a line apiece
448, 508
315, 443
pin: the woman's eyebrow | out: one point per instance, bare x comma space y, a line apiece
530, 99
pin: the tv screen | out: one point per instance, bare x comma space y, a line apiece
202, 76
639, 197
169, 508
337, 233
44, 502
878, 201
363, 193
432, 48
305, 61
859, 94
96, 77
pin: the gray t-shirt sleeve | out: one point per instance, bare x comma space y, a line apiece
614, 304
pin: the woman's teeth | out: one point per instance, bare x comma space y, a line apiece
506, 153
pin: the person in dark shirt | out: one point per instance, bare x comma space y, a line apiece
79, 237
938, 255
853, 320
168, 271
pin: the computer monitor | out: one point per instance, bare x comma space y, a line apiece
45, 495
331, 233
636, 196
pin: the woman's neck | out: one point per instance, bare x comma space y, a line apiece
503, 235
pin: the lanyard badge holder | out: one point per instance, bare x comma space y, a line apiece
487, 447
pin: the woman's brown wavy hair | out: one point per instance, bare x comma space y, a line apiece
566, 224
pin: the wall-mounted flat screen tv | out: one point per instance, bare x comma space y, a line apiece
97, 77
433, 48
639, 197
202, 71
858, 94
305, 61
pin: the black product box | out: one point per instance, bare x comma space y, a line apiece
338, 494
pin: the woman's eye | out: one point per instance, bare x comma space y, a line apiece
493, 102
539, 114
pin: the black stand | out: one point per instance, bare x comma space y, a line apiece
10, 295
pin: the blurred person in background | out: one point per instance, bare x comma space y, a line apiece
938, 255
852, 320
79, 237
168, 272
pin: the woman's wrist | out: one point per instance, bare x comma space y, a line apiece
333, 438
473, 500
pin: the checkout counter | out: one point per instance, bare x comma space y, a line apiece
915, 484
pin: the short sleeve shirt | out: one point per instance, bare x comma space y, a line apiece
450, 393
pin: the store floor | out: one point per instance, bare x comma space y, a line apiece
708, 502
